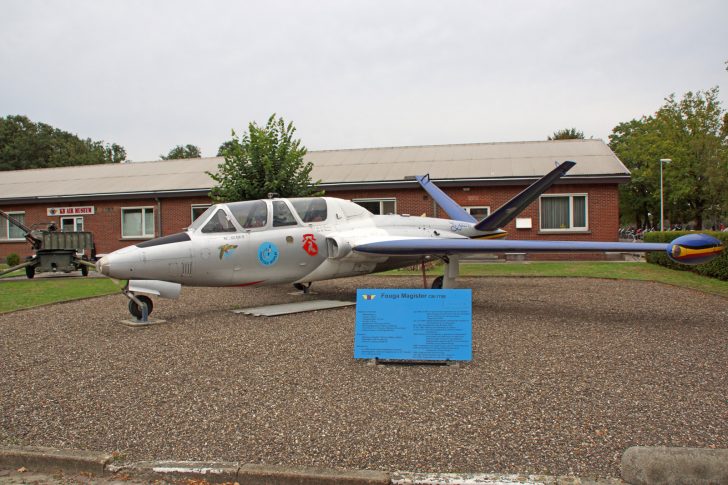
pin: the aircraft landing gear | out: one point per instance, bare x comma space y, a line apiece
138, 311
303, 288
140, 306
452, 270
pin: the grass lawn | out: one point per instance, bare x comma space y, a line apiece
588, 269
15, 295
20, 272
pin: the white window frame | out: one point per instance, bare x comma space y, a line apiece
571, 227
380, 200
197, 206
143, 236
8, 225
75, 222
468, 207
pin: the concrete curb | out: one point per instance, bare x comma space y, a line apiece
640, 466
174, 470
222, 472
263, 474
647, 465
409, 478
53, 459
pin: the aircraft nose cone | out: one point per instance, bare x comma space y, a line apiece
102, 266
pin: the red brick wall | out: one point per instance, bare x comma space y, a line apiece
603, 213
105, 223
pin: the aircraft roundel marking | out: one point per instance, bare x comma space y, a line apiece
267, 254
309, 244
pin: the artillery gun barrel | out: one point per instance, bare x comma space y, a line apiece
34, 241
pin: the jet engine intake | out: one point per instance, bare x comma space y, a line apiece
337, 247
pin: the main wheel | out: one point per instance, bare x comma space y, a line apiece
136, 311
30, 272
437, 283
84, 270
301, 287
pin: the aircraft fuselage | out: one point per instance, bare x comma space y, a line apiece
277, 241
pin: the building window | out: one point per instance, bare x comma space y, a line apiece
378, 206
137, 222
71, 224
479, 213
567, 212
9, 231
198, 210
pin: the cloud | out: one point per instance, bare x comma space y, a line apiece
151, 75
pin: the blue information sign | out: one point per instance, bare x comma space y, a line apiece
414, 324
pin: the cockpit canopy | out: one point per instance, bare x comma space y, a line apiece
256, 214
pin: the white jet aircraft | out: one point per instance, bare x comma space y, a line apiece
302, 240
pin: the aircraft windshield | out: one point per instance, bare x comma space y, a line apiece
250, 214
312, 209
219, 223
197, 223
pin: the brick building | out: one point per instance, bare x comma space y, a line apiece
124, 203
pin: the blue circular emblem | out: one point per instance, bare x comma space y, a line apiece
267, 254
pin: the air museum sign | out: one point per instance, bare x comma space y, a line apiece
71, 211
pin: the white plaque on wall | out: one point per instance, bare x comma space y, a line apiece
523, 223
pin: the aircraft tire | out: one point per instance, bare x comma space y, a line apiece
437, 283
30, 272
136, 311
84, 270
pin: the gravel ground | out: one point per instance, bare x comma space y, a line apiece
567, 373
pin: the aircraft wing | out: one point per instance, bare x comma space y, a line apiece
442, 246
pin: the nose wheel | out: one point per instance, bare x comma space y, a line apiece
140, 306
136, 309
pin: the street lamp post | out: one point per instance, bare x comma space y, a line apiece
662, 204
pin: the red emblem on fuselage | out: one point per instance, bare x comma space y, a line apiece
309, 244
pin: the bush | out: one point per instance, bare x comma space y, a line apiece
717, 268
12, 259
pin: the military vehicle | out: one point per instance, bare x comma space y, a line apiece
54, 251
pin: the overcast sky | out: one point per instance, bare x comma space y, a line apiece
153, 74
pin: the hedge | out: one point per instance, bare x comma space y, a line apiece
12, 260
717, 268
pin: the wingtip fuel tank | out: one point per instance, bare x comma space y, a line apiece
694, 249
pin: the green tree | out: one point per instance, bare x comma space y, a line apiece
25, 144
224, 146
186, 151
692, 133
567, 134
637, 144
263, 160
